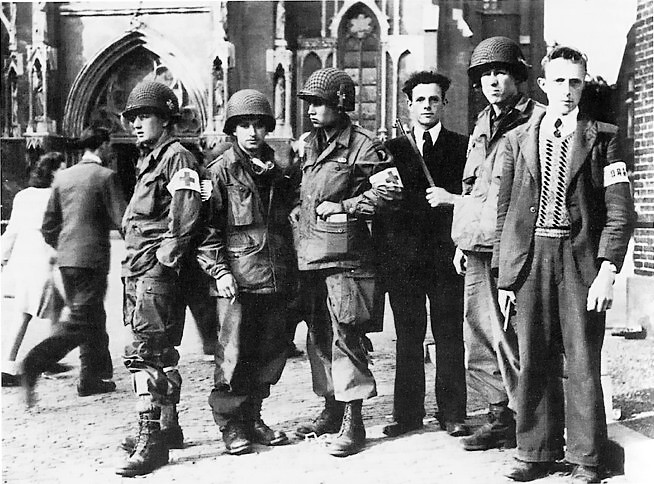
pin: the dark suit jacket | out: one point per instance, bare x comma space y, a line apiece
601, 218
86, 203
409, 236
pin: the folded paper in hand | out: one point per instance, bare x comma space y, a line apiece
388, 177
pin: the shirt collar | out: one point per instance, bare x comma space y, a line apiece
434, 131
88, 156
569, 122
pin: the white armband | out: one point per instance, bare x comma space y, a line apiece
184, 179
615, 173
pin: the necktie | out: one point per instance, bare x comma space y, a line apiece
427, 145
557, 125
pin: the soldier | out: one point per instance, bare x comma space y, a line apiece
418, 252
334, 251
158, 226
498, 67
248, 251
564, 218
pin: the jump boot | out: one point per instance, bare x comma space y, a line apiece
260, 432
328, 422
236, 437
171, 432
498, 432
352, 436
150, 451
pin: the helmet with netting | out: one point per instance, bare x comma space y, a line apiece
333, 86
500, 51
151, 97
247, 103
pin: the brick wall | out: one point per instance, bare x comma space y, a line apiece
644, 139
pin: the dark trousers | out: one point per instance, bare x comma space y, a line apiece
407, 290
551, 320
86, 327
250, 354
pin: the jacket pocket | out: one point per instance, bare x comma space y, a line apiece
241, 205
331, 241
144, 197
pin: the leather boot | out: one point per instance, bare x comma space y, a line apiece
236, 438
171, 432
497, 433
328, 422
352, 436
150, 451
260, 432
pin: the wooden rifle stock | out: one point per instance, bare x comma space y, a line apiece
412, 142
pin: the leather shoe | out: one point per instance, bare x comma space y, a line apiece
398, 428
86, 388
584, 474
455, 429
529, 471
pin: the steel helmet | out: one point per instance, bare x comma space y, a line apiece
333, 86
151, 97
248, 102
498, 50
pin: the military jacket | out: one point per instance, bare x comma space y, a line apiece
162, 215
340, 174
249, 234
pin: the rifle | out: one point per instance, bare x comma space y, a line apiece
416, 151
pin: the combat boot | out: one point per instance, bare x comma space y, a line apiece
328, 422
171, 432
260, 432
150, 451
236, 438
352, 436
498, 432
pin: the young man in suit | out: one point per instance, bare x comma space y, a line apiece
417, 250
498, 67
86, 203
565, 216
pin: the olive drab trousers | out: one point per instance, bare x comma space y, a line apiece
340, 303
250, 354
151, 308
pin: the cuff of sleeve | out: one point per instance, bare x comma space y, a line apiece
220, 273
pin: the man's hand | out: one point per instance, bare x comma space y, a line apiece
600, 294
326, 208
460, 260
439, 197
227, 286
389, 192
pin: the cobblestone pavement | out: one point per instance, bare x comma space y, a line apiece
69, 439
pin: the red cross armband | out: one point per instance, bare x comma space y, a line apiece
184, 179
388, 177
615, 173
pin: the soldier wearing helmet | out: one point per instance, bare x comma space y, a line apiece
498, 67
248, 251
335, 253
158, 226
